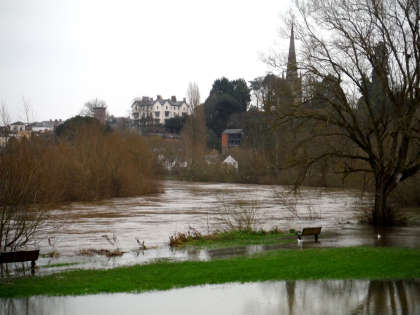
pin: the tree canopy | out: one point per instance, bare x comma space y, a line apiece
73, 127
175, 124
238, 89
369, 54
218, 109
226, 98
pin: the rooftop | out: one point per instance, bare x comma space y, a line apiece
232, 131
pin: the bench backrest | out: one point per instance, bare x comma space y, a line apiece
21, 256
311, 231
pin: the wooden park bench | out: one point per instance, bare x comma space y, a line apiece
315, 231
19, 256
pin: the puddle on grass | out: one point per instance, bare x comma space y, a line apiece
272, 297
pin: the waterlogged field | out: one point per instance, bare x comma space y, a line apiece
128, 222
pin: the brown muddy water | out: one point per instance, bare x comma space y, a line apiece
272, 297
181, 205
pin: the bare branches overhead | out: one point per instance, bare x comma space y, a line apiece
361, 64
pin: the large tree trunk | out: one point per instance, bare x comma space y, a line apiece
382, 213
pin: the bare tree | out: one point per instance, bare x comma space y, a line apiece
88, 107
4, 115
194, 138
18, 225
20, 218
27, 111
365, 54
194, 131
193, 96
4, 125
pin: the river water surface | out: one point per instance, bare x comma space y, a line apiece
263, 298
181, 205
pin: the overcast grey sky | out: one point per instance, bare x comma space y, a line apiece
58, 54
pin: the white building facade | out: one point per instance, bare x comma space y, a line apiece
146, 111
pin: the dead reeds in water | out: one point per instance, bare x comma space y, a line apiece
179, 238
101, 252
289, 202
236, 216
113, 241
239, 216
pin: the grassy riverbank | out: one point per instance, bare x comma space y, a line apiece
332, 263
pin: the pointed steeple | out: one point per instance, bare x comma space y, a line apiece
292, 76
291, 73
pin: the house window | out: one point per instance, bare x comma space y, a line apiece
157, 114
166, 114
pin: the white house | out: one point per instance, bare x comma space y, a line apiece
17, 126
41, 127
146, 111
231, 162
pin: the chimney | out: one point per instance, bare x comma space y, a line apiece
159, 97
173, 98
184, 100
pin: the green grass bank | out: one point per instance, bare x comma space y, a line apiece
331, 263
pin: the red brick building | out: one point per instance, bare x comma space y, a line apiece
231, 138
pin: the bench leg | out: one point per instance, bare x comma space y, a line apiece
316, 238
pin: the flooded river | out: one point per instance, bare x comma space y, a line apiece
264, 298
181, 205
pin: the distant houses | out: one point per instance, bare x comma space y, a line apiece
231, 138
19, 130
147, 111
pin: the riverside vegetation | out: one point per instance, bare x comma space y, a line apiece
83, 161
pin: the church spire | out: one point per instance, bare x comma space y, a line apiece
291, 73
292, 76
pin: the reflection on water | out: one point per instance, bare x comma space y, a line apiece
279, 297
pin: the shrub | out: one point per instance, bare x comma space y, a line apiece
91, 164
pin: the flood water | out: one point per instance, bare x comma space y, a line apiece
181, 205
264, 298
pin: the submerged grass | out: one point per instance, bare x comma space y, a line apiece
229, 238
237, 238
60, 265
325, 263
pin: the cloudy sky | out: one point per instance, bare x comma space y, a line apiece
57, 54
